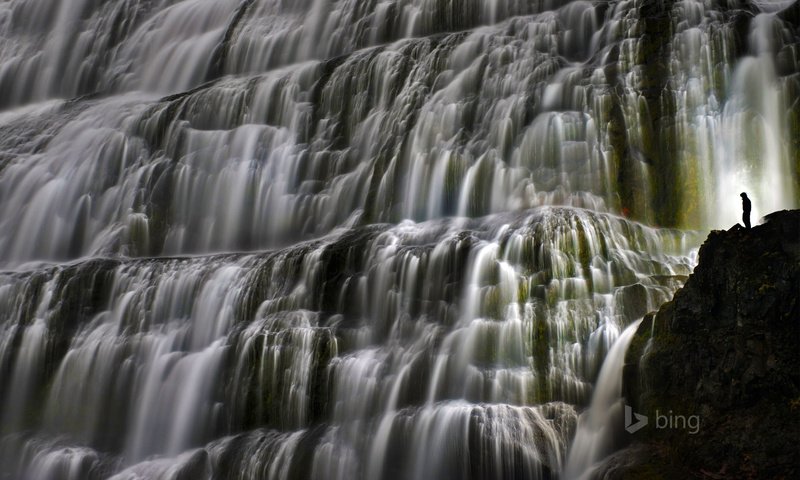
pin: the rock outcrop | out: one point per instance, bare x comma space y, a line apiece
717, 369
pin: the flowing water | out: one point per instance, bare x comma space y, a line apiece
268, 239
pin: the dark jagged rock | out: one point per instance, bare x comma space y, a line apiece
726, 349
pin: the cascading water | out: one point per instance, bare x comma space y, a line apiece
359, 239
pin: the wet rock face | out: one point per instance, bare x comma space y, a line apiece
725, 350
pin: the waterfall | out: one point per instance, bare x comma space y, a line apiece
594, 438
343, 239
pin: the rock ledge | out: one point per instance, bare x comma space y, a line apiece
725, 350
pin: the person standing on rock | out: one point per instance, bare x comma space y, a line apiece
745, 210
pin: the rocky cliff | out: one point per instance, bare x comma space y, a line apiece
716, 371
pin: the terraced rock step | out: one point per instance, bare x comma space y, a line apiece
370, 350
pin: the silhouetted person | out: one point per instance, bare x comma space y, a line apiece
745, 210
